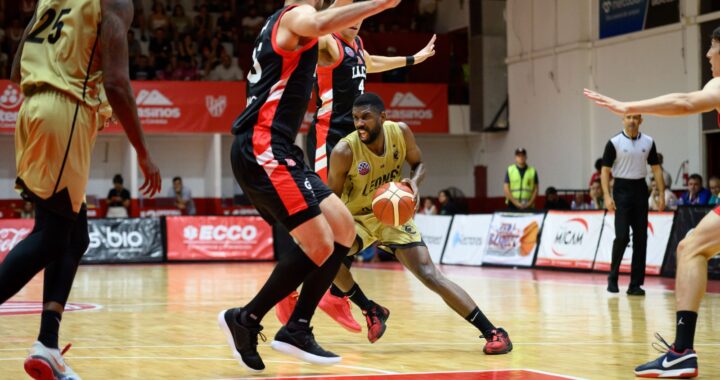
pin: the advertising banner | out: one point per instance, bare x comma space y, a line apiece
513, 239
218, 238
434, 231
12, 231
619, 17
659, 226
11, 99
124, 241
570, 239
686, 219
467, 240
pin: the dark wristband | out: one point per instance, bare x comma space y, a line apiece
409, 60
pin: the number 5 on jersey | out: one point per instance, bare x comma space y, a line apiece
45, 21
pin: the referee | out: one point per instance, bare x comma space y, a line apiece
628, 153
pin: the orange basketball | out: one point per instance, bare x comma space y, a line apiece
393, 203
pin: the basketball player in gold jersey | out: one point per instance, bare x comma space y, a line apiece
365, 160
72, 66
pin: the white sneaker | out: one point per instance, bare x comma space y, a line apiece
45, 363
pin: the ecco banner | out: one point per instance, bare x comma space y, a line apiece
218, 238
570, 239
434, 231
658, 233
12, 231
124, 241
467, 240
686, 219
512, 239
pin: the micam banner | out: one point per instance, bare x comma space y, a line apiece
467, 240
434, 231
570, 239
512, 239
658, 234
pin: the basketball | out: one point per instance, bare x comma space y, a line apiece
393, 203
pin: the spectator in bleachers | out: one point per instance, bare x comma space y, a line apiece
428, 207
596, 175
182, 196
426, 16
118, 199
211, 54
714, 185
225, 26
180, 22
448, 205
521, 183
597, 198
696, 194
579, 202
14, 33
666, 176
553, 200
161, 49
187, 48
671, 200
139, 19
142, 70
251, 24
159, 18
227, 70
28, 210
134, 48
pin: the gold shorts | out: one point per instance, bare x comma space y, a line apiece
54, 139
370, 230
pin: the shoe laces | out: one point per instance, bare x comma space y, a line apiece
661, 345
67, 347
255, 332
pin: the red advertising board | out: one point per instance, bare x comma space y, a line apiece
10, 101
12, 231
218, 238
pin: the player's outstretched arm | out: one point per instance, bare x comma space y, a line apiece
306, 21
677, 104
379, 63
116, 19
413, 156
15, 69
341, 158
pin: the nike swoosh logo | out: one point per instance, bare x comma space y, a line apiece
59, 366
668, 364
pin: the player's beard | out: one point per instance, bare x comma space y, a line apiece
372, 135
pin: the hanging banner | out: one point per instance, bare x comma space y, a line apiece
12, 231
122, 240
467, 240
513, 239
658, 234
218, 238
434, 231
618, 17
686, 219
570, 239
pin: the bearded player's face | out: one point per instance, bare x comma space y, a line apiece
368, 123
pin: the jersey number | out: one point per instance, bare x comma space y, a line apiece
256, 70
45, 21
361, 87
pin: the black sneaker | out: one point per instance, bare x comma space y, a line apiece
612, 286
635, 291
243, 340
302, 345
376, 318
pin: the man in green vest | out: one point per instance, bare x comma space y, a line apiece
521, 183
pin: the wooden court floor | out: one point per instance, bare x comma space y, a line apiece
158, 322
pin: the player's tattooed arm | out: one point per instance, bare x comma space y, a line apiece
379, 63
413, 156
15, 72
340, 160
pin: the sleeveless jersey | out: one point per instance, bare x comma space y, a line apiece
369, 171
338, 86
279, 85
61, 51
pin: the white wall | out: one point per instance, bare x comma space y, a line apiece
7, 168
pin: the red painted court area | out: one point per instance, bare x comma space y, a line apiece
503, 374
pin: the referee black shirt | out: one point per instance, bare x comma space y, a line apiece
629, 157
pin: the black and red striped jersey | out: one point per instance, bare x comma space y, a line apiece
279, 85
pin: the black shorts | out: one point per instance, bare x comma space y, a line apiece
276, 181
320, 144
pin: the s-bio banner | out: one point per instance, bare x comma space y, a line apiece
12, 231
124, 241
570, 239
513, 239
218, 238
686, 219
658, 233
434, 231
467, 239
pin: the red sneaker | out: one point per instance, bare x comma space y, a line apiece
375, 318
499, 343
339, 309
285, 308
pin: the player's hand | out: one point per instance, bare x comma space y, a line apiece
387, 4
153, 181
609, 203
416, 192
615, 106
426, 52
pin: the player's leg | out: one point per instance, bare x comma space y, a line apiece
639, 223
417, 260
622, 238
693, 253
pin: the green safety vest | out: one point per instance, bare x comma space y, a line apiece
521, 187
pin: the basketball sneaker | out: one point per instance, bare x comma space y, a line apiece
243, 340
45, 363
499, 343
302, 345
375, 318
672, 364
338, 308
284, 308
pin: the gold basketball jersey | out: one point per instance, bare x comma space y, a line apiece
61, 51
369, 171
